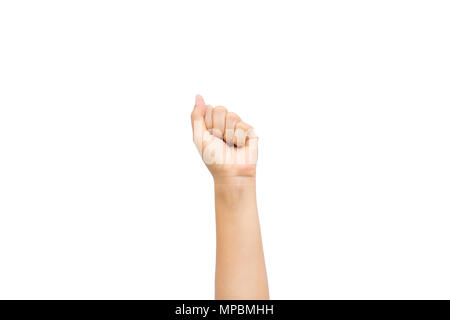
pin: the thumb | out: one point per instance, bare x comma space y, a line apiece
198, 121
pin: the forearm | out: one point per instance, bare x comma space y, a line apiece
240, 267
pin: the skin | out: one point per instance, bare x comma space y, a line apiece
229, 149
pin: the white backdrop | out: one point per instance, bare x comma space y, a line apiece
103, 194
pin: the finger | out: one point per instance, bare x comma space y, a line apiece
208, 117
240, 133
199, 110
199, 100
198, 122
251, 136
218, 119
251, 146
231, 120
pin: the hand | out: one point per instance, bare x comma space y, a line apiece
228, 146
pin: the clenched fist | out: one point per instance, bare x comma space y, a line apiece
228, 146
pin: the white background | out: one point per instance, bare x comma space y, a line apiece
103, 194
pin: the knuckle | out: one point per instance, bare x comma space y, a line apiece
220, 109
232, 115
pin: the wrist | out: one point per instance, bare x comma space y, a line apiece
232, 180
235, 191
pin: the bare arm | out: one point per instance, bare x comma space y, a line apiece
229, 149
240, 268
